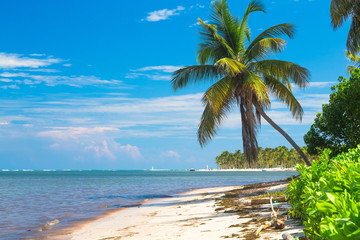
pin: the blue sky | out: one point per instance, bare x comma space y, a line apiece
85, 84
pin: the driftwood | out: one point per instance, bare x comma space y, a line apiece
266, 200
270, 223
287, 236
273, 222
279, 224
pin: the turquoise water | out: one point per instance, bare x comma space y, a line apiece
29, 199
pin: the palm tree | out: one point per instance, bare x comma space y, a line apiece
243, 73
353, 59
340, 11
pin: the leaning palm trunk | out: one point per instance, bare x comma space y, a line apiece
282, 132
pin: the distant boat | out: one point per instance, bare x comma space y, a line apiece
192, 169
153, 169
264, 170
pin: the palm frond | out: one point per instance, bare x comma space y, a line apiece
253, 84
254, 6
353, 40
354, 59
210, 34
192, 74
265, 48
273, 32
218, 100
285, 95
225, 23
284, 71
350, 69
230, 66
210, 52
340, 10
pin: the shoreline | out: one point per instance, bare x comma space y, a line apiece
188, 215
67, 233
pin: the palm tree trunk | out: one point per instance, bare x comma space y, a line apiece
274, 125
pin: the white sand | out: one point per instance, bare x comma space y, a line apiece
190, 215
186, 216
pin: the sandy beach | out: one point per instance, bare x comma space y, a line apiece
196, 214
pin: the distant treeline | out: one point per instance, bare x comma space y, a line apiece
267, 158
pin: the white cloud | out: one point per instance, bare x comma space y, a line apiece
157, 74
163, 14
197, 5
133, 151
10, 60
13, 86
65, 133
164, 68
155, 77
101, 150
5, 80
171, 154
4, 123
54, 80
37, 55
321, 84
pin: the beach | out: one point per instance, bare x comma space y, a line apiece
68, 199
195, 214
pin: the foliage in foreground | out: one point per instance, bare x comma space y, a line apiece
267, 158
326, 196
338, 126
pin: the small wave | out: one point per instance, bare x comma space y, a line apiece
48, 225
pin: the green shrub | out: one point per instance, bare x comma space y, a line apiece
326, 196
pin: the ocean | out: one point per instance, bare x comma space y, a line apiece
28, 199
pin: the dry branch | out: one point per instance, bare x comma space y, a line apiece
266, 200
287, 236
273, 222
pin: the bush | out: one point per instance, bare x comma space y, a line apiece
338, 126
326, 196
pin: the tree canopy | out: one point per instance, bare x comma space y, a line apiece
242, 74
267, 158
338, 126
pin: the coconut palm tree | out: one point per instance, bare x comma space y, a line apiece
243, 75
340, 11
354, 59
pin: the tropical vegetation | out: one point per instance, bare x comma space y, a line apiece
338, 126
354, 59
340, 11
326, 196
267, 158
244, 75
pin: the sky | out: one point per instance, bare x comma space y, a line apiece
85, 84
